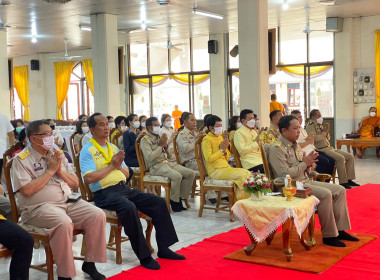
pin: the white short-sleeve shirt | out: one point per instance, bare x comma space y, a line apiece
5, 127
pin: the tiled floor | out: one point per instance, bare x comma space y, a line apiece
190, 229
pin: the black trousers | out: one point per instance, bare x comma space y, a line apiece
325, 164
257, 168
126, 201
13, 237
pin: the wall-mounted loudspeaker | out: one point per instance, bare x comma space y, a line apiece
212, 46
35, 64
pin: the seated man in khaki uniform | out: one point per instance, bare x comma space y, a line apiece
287, 158
42, 178
272, 133
154, 149
344, 161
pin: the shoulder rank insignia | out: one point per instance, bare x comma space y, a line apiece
146, 137
278, 143
24, 155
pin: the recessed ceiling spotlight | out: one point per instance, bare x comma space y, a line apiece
285, 6
34, 40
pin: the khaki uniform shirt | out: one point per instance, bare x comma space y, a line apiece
186, 145
29, 165
285, 158
321, 139
152, 152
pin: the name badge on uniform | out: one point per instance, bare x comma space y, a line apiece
37, 166
299, 155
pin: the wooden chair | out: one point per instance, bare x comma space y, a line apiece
80, 142
150, 180
72, 145
111, 131
115, 139
208, 184
38, 234
178, 159
115, 238
236, 154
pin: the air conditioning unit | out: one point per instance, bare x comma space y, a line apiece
163, 2
334, 24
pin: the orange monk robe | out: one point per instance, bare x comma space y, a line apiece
367, 129
274, 105
176, 114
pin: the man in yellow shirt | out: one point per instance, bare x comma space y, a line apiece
274, 105
216, 154
246, 141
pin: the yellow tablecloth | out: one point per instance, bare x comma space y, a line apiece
263, 217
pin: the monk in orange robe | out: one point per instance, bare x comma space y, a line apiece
366, 130
176, 115
274, 105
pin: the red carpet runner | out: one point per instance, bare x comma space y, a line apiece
205, 259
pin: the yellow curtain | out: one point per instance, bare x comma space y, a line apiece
21, 82
184, 78
299, 69
377, 81
88, 71
62, 71
155, 80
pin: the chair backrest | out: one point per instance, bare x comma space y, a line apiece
115, 139
200, 159
7, 165
140, 156
8, 153
235, 153
80, 142
264, 155
72, 144
111, 131
176, 153
85, 190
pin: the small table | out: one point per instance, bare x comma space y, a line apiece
372, 141
262, 218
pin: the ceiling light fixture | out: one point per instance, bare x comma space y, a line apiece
143, 25
57, 1
84, 27
207, 14
285, 6
34, 40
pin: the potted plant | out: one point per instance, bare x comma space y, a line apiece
257, 186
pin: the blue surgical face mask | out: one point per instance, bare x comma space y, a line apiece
18, 129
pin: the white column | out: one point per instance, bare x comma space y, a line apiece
253, 57
343, 69
218, 79
104, 41
4, 83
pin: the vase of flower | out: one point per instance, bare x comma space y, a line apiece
257, 186
257, 196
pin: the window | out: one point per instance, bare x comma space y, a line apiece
235, 94
201, 60
138, 59
140, 98
180, 56
202, 100
79, 99
272, 88
294, 95
233, 41
158, 54
18, 109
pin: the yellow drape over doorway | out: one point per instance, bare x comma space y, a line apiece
89, 73
377, 80
21, 83
62, 71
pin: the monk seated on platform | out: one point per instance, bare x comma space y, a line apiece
366, 129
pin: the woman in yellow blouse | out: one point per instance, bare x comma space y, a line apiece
215, 151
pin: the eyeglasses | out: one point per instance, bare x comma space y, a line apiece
46, 134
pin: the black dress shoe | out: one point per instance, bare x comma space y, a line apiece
352, 183
333, 241
346, 236
225, 199
346, 186
212, 200
176, 206
181, 205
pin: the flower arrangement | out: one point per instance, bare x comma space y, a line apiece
257, 183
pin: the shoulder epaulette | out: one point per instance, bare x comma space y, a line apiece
278, 143
182, 131
146, 137
24, 155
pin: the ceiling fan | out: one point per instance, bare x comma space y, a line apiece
66, 56
337, 2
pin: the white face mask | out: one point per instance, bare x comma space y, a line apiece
111, 124
136, 124
85, 129
238, 125
372, 114
48, 143
143, 124
156, 130
218, 130
251, 123
123, 127
168, 123
320, 120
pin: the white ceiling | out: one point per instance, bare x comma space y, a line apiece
52, 22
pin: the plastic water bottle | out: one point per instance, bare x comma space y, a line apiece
288, 181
